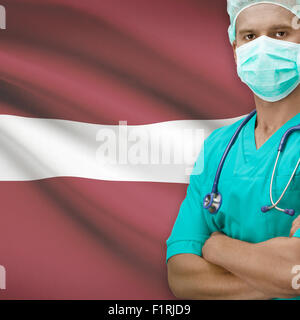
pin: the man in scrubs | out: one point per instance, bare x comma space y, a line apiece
241, 252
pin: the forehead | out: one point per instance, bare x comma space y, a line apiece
264, 16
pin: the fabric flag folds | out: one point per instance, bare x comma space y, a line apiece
70, 72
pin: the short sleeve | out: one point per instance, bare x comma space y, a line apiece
190, 230
297, 234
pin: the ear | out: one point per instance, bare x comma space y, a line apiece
234, 50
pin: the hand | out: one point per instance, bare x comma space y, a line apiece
295, 226
211, 245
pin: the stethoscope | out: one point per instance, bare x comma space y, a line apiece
213, 200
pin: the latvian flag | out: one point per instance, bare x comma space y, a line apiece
104, 107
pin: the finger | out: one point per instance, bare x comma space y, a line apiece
292, 232
296, 226
297, 220
294, 229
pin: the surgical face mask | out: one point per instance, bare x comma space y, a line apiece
269, 67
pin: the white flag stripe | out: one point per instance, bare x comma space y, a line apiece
33, 148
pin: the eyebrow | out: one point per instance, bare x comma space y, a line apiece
281, 26
274, 27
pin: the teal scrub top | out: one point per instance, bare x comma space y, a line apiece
244, 184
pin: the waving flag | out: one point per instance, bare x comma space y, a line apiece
72, 226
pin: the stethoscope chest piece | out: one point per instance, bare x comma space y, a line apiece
212, 202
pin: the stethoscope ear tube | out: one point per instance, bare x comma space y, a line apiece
290, 212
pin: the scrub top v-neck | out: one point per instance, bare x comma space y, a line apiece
244, 185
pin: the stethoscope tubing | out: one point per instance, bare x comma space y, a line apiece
229, 146
290, 212
213, 201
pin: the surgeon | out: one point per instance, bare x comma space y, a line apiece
237, 234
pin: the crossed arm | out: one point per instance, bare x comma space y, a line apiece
234, 269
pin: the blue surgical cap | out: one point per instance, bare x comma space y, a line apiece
235, 7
